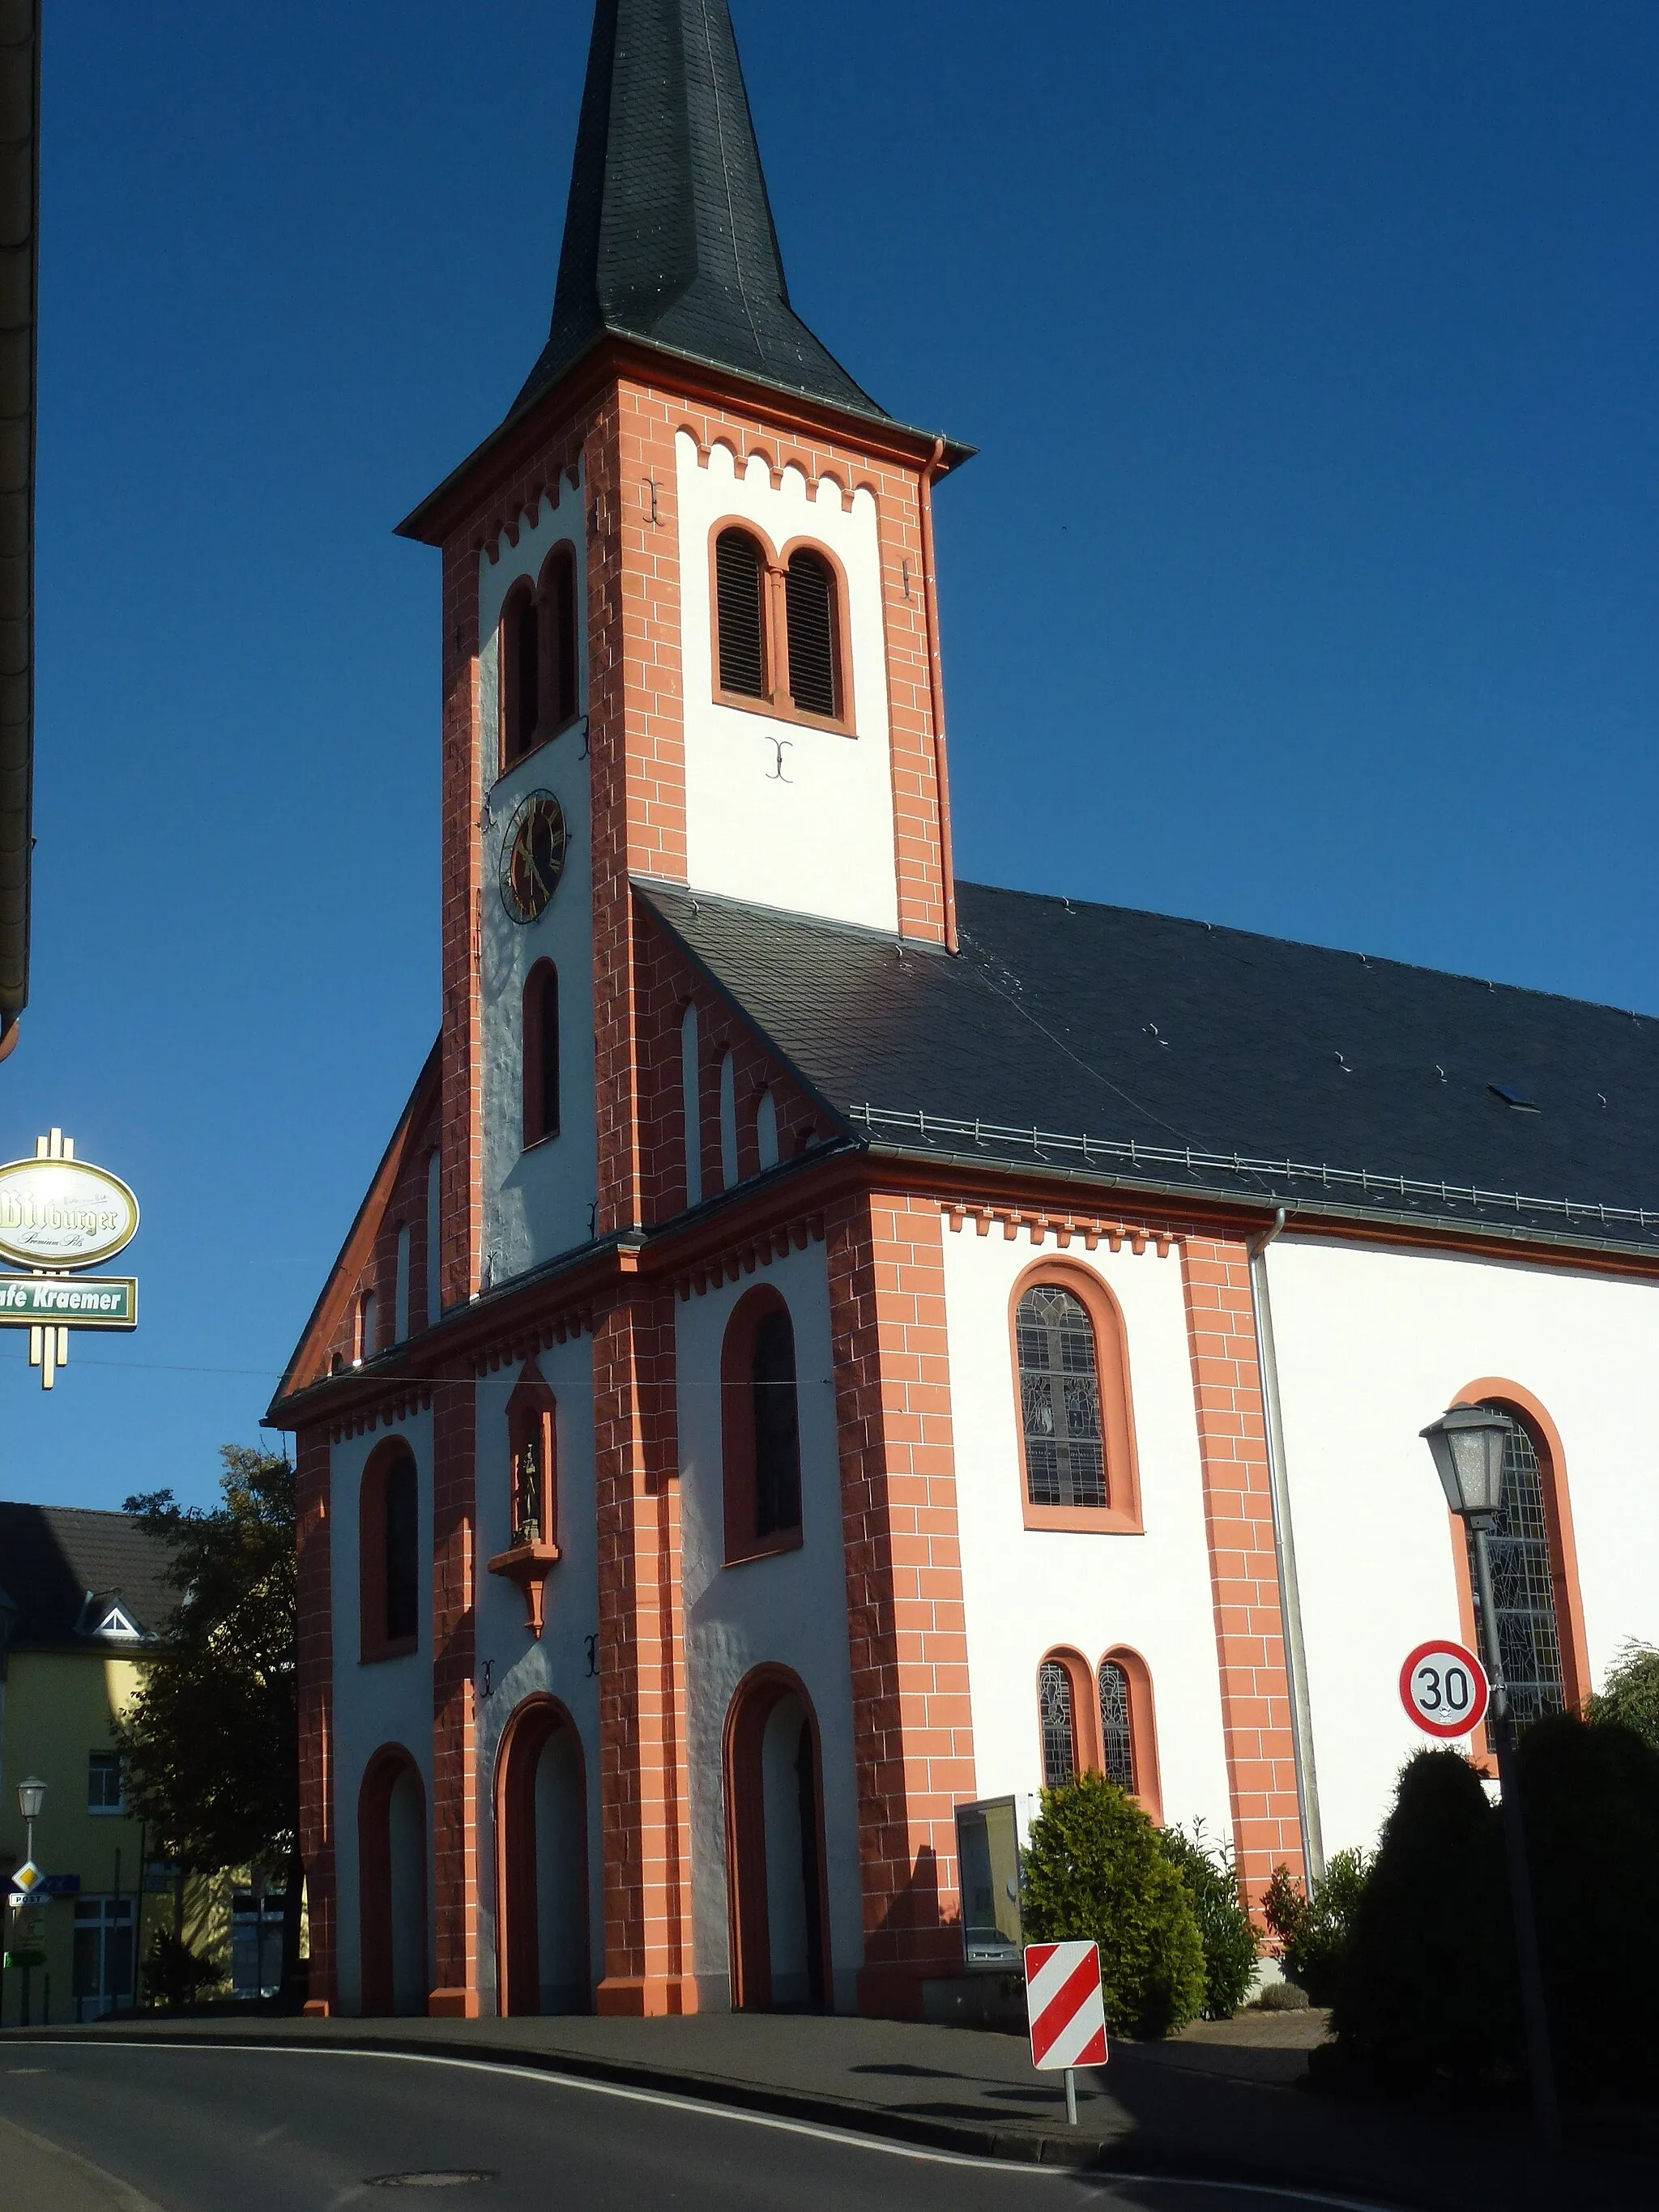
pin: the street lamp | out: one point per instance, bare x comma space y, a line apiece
1469, 1444
31, 1797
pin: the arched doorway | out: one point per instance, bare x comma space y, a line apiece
774, 1847
541, 1862
391, 1884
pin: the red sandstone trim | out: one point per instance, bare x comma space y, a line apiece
454, 1697
315, 1693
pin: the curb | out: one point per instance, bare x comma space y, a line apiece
1077, 2153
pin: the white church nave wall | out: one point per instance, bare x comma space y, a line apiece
786, 1610
1027, 1591
1372, 1344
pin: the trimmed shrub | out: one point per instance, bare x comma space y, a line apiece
1630, 1696
1231, 1943
1590, 1798
1095, 1869
1282, 1997
1313, 1934
1426, 1984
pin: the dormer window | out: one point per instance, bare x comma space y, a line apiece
780, 631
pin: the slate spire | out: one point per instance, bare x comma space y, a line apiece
669, 238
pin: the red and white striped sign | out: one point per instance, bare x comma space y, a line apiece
1064, 2006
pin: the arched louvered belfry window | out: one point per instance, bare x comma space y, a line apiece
1076, 1424
520, 673
810, 597
1058, 1709
558, 601
740, 602
1117, 1727
1523, 1582
402, 1551
541, 1053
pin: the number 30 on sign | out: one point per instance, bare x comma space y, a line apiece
1445, 1689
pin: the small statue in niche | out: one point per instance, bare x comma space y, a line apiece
527, 1496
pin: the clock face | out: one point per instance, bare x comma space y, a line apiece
533, 858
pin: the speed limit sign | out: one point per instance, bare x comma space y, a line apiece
1444, 1688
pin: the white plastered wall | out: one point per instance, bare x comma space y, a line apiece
788, 1610
516, 1664
390, 1700
1027, 1590
816, 837
1372, 1345
537, 1204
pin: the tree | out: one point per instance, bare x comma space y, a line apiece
1629, 1695
211, 1740
1096, 1869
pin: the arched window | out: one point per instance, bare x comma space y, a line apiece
1077, 1429
740, 604
691, 1105
810, 597
541, 1053
520, 673
728, 1122
557, 596
1523, 1582
766, 1130
400, 1303
368, 1325
1117, 1730
389, 1552
1057, 1704
433, 1191
760, 1421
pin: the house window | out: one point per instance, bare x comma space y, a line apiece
434, 1186
1076, 1426
541, 1053
1523, 1582
105, 1782
759, 1428
766, 1129
810, 599
101, 1959
728, 1122
740, 602
1117, 1743
1057, 1706
389, 1552
256, 1942
521, 673
369, 1326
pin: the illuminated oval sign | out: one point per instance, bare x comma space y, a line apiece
63, 1214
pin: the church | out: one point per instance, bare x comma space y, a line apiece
828, 1344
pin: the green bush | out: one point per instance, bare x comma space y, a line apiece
1590, 1796
1630, 1696
1426, 1984
173, 1974
1313, 1934
1231, 1943
1095, 1869
1282, 1997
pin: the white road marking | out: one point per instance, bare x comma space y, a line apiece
847, 2137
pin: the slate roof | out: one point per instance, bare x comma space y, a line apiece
1166, 1055
669, 237
51, 1556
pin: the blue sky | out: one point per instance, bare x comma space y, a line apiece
1306, 580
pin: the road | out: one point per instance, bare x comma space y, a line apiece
187, 2129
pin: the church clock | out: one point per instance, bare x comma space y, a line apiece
533, 855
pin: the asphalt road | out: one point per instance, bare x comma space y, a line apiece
189, 2130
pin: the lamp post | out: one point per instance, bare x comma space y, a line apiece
1469, 1444
31, 1800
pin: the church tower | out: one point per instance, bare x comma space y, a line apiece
690, 635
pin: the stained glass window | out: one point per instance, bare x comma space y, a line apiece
1524, 1584
1059, 1399
1116, 1728
1059, 1725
